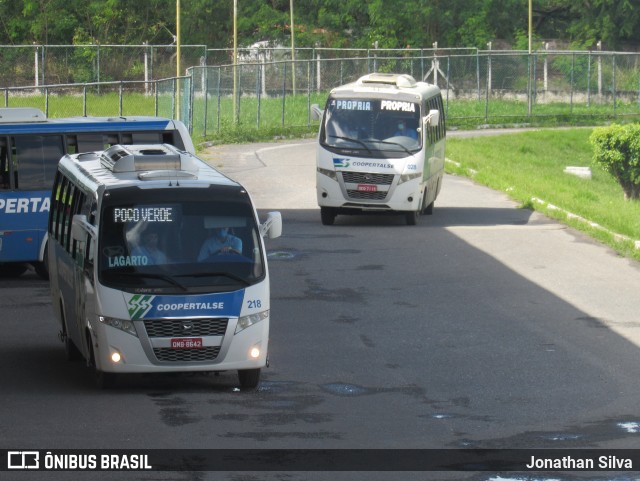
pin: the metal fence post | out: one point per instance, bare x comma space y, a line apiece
84, 100
284, 91
589, 79
573, 68
529, 92
258, 89
219, 99
486, 103
308, 93
613, 84
206, 99
120, 98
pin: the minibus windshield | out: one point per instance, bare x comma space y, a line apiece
372, 127
190, 243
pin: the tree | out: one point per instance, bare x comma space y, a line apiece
617, 151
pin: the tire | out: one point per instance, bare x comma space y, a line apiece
428, 210
72, 353
412, 217
12, 269
42, 268
104, 380
328, 215
249, 378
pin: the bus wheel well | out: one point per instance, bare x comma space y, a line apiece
71, 351
42, 268
91, 358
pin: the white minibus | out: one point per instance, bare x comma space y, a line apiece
157, 264
381, 148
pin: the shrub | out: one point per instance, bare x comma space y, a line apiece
617, 151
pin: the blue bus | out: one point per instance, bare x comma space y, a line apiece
31, 146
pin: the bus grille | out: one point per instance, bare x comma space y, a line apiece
180, 327
366, 178
186, 355
356, 194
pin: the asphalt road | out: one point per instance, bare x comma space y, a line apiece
484, 326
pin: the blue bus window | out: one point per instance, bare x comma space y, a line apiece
37, 159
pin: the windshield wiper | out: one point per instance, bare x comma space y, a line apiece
163, 277
239, 279
395, 143
349, 139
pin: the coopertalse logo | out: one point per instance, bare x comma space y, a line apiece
139, 305
341, 163
23, 460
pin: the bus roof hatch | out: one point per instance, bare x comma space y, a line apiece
134, 158
398, 80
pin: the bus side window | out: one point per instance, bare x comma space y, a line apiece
172, 137
77, 199
55, 196
61, 200
37, 158
5, 173
146, 138
90, 143
89, 209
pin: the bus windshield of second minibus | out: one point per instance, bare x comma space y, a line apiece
372, 127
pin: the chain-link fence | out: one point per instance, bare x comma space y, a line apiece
66, 64
481, 87
489, 87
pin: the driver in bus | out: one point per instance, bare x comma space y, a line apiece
404, 131
150, 248
221, 241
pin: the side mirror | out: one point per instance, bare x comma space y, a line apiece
272, 227
80, 227
433, 119
316, 112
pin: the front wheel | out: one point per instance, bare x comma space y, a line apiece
412, 217
328, 215
72, 353
428, 210
42, 268
249, 378
105, 380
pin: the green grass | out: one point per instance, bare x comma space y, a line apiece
529, 165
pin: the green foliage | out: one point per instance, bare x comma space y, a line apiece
328, 23
617, 151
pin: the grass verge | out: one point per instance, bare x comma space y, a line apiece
530, 165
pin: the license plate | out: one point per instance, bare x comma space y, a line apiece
186, 343
367, 188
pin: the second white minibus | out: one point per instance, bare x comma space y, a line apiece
381, 148
158, 264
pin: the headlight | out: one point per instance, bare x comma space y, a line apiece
329, 173
408, 177
250, 320
122, 324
